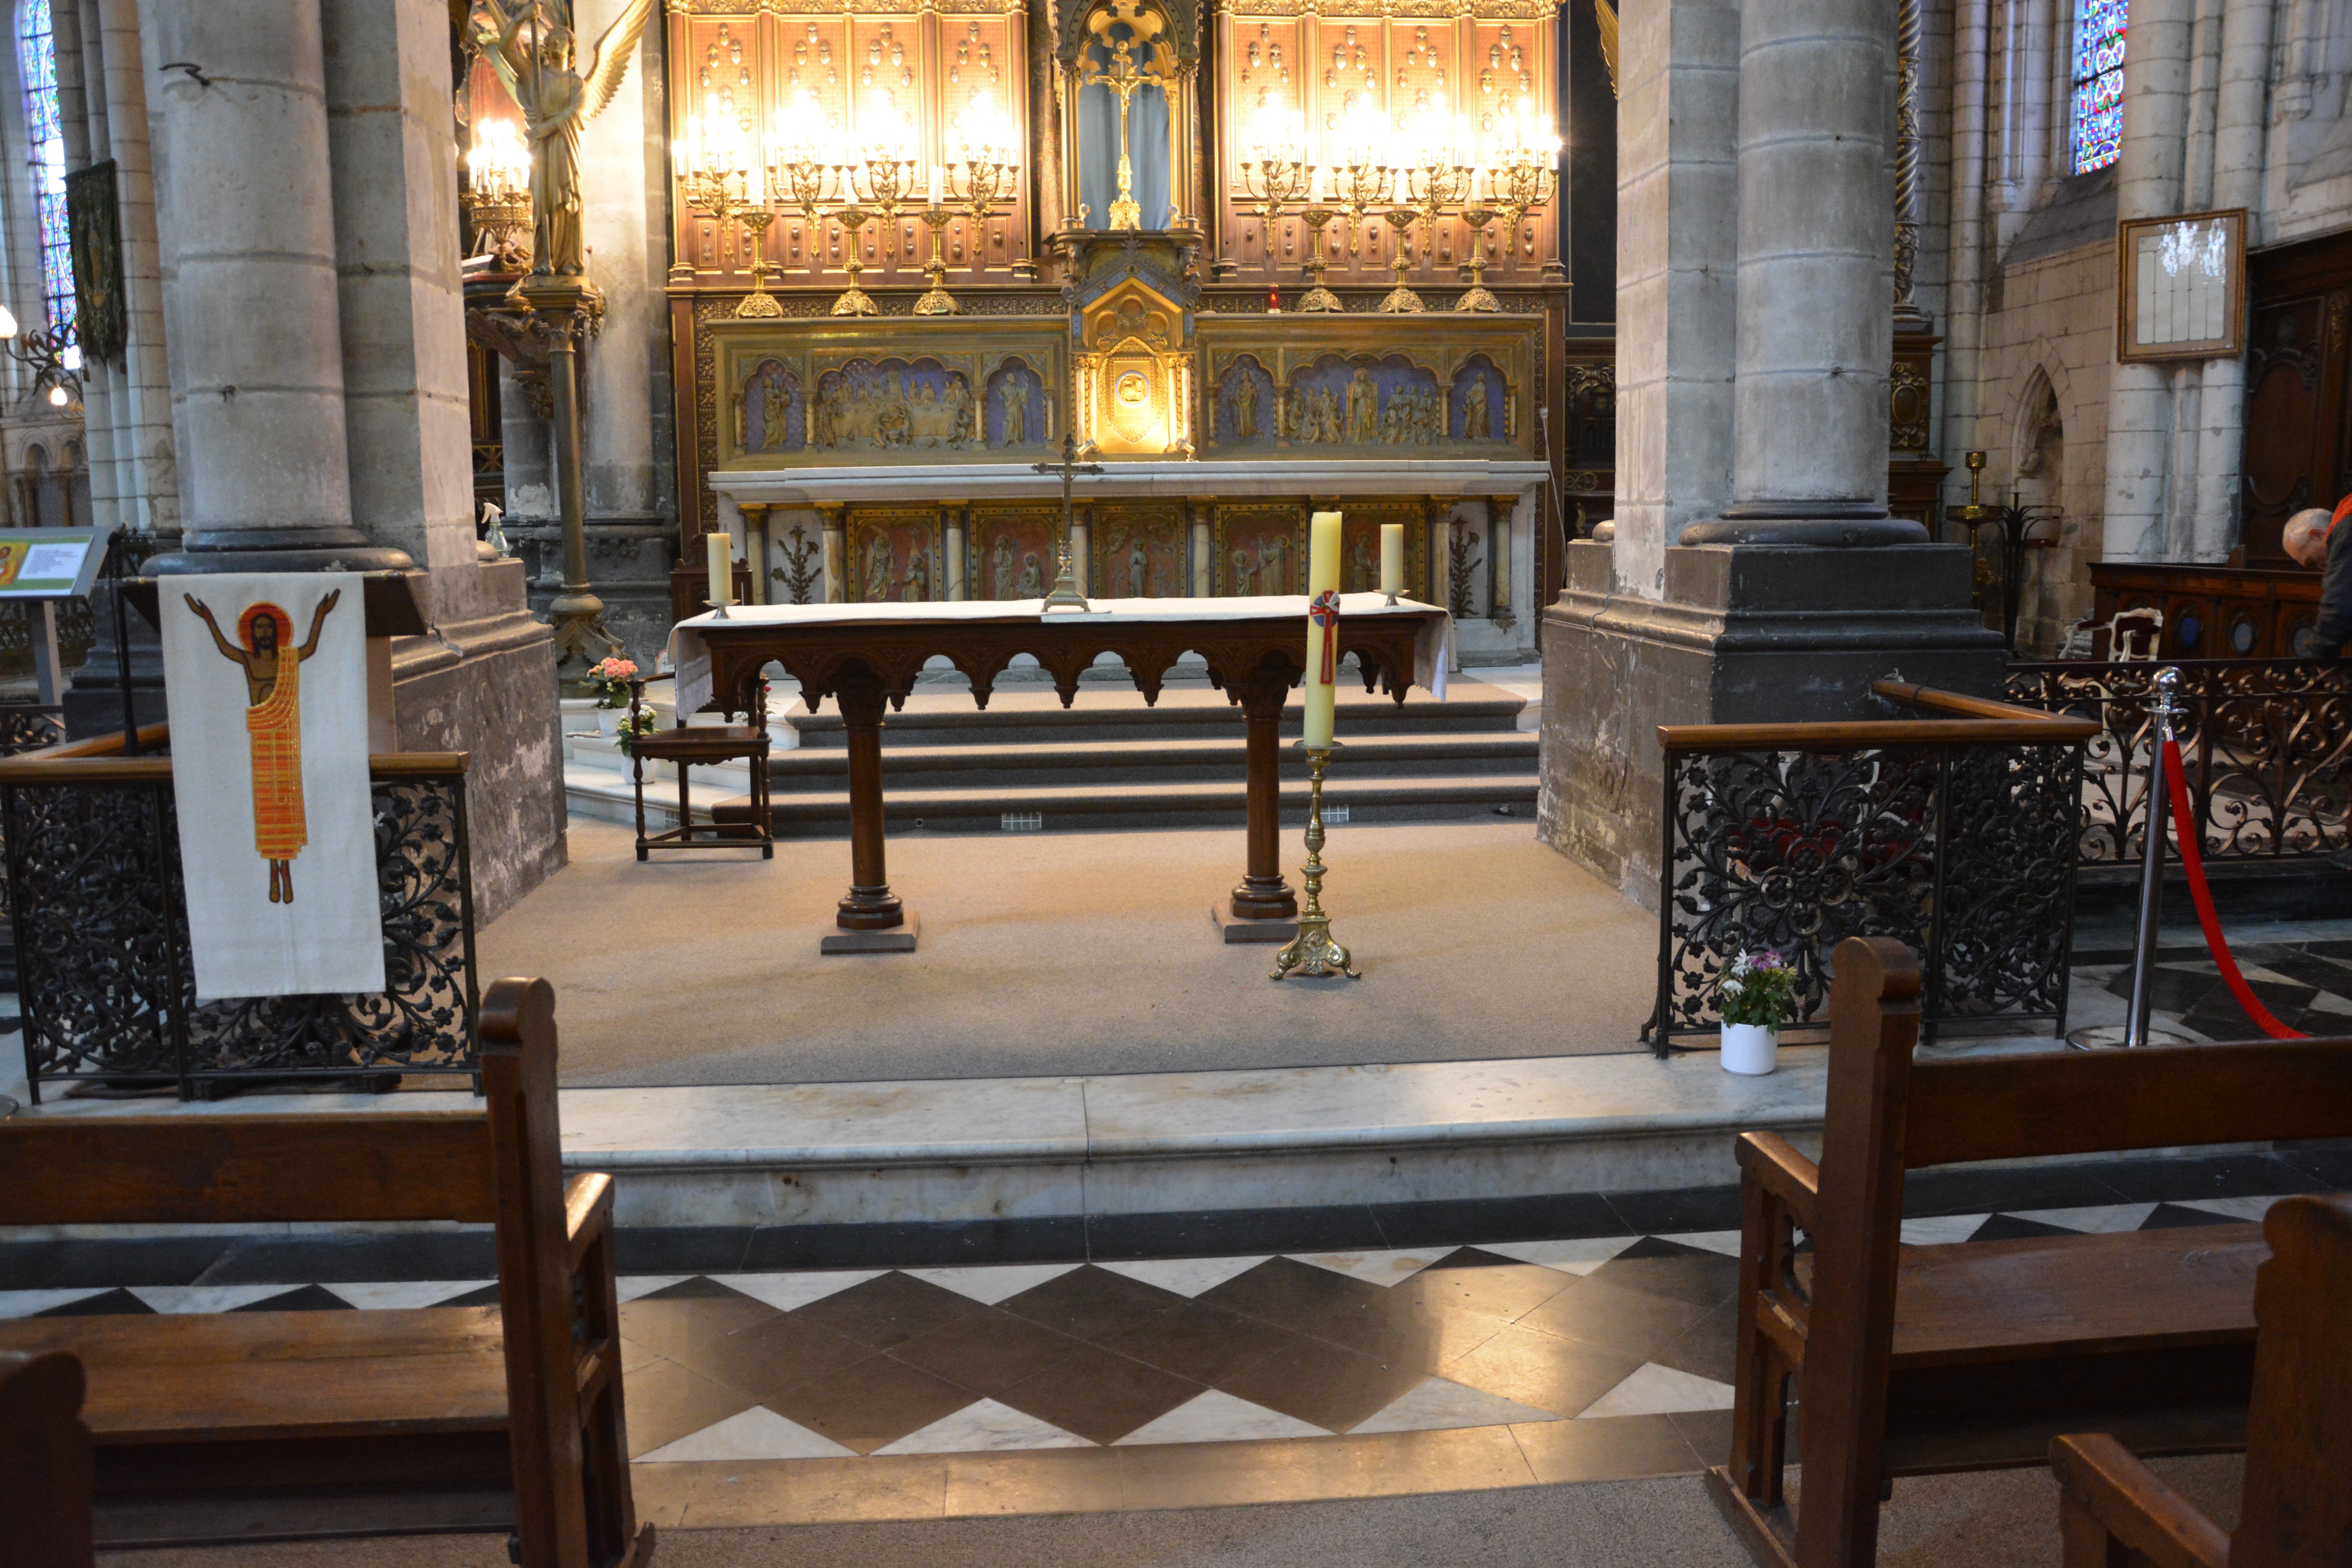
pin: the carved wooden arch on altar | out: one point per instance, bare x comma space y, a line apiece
1124, 64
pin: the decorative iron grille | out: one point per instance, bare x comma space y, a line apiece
107, 984
2266, 744
1961, 850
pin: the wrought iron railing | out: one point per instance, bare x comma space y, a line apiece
23, 727
100, 920
2266, 744
1953, 834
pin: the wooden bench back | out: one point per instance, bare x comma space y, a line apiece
230, 1169
46, 1473
2297, 1506
1884, 1108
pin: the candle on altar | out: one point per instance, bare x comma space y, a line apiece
1392, 558
1322, 638
939, 177
722, 567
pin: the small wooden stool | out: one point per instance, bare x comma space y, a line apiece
685, 747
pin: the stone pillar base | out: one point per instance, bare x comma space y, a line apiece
1746, 634
629, 558
483, 682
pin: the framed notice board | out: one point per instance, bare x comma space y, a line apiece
2181, 286
51, 563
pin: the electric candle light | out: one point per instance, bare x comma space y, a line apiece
1322, 643
1391, 559
939, 177
722, 568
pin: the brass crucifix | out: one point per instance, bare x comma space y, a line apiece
1064, 594
1123, 76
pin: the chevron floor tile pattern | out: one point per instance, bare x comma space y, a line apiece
1631, 1330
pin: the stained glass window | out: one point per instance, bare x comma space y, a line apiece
37, 56
2098, 81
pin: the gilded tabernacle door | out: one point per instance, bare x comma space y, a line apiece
830, 392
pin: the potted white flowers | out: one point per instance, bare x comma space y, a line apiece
1756, 996
609, 680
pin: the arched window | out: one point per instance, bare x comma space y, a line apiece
37, 57
2098, 81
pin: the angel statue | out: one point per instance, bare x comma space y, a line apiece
556, 100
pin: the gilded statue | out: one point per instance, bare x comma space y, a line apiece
1363, 408
556, 101
1475, 415
1245, 410
1016, 411
1001, 574
776, 404
881, 568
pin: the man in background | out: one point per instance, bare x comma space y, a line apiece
2314, 540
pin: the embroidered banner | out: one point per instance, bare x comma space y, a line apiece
266, 677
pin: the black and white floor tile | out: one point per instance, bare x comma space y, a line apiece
2307, 985
837, 1363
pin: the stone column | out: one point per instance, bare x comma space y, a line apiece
951, 530
1752, 421
1204, 564
82, 121
1815, 300
265, 480
1499, 608
2147, 185
143, 423
1438, 523
832, 515
2238, 125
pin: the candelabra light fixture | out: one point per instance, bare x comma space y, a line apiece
52, 356
983, 171
722, 174
497, 196
1403, 179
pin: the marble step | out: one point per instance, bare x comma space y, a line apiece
1217, 803
1148, 1143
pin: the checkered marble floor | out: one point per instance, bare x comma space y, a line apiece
2307, 984
835, 1363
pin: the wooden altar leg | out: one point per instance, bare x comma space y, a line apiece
871, 917
1263, 908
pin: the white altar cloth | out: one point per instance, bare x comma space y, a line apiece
690, 656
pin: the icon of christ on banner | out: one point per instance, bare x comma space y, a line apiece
273, 723
267, 679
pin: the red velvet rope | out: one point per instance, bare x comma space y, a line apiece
2193, 859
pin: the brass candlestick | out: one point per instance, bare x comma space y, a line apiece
936, 300
853, 300
1318, 297
758, 303
1522, 186
1272, 183
1478, 296
1312, 953
1401, 298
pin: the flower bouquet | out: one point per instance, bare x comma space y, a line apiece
1757, 995
609, 681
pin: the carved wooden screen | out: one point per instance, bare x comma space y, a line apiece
2297, 453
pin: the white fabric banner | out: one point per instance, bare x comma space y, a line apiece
265, 680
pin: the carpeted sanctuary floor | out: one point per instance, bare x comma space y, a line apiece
1070, 954
2000, 1519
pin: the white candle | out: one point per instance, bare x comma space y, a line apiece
754, 190
1322, 643
1392, 558
939, 177
722, 566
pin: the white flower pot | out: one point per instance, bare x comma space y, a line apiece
1750, 1048
608, 721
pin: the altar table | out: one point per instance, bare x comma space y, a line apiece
863, 655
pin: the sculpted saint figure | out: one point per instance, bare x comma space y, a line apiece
881, 568
556, 100
1016, 411
1475, 414
1245, 410
273, 727
1002, 561
1363, 408
1033, 578
776, 408
1139, 567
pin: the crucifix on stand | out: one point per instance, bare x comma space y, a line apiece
1064, 594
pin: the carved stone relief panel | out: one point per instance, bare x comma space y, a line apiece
1140, 550
1011, 551
894, 556
1363, 401
1259, 547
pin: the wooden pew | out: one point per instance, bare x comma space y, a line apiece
2297, 1502
523, 1397
43, 1463
1915, 1360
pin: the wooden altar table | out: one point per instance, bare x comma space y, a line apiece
863, 655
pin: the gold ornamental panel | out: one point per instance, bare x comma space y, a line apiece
1134, 375
830, 391
895, 555
1369, 386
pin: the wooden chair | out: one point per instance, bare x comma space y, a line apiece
683, 747
44, 1471
2296, 1511
1914, 1360
523, 1398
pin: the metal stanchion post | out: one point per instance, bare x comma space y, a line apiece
2134, 1032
